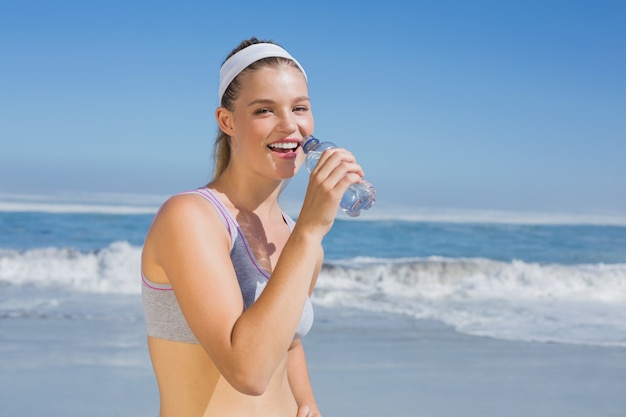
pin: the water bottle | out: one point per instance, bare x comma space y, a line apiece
358, 197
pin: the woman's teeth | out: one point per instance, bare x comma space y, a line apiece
284, 146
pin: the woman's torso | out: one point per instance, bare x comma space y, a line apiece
191, 380
190, 385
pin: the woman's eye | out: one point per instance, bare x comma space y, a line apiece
262, 111
300, 109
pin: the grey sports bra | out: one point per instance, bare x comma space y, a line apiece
163, 316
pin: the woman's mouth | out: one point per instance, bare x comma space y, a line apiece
284, 147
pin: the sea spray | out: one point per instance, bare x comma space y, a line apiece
509, 300
556, 283
112, 270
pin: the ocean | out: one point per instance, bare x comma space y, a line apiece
563, 283
409, 305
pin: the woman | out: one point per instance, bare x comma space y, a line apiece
227, 275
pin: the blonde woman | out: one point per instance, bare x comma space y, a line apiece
227, 274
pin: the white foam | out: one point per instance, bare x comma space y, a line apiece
454, 215
510, 300
127, 203
100, 203
74, 208
114, 269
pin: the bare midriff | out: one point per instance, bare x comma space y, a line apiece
190, 385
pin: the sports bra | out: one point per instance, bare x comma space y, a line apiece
163, 316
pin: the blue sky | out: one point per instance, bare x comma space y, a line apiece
494, 105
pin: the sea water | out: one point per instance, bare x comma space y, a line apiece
524, 281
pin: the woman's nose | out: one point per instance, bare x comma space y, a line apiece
287, 123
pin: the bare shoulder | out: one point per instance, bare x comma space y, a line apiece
184, 225
183, 205
184, 212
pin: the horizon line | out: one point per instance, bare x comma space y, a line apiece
129, 204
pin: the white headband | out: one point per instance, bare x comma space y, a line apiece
248, 55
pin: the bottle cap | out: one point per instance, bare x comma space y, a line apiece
309, 141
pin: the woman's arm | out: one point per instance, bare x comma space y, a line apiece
189, 246
300, 382
297, 369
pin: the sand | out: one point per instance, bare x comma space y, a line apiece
361, 364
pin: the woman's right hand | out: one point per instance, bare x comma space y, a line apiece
335, 171
305, 411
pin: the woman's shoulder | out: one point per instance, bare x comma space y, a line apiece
187, 203
189, 210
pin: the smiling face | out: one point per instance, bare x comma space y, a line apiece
269, 118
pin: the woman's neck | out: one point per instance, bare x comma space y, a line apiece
248, 194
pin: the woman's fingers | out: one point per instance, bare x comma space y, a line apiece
335, 172
303, 411
334, 159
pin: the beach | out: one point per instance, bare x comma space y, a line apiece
414, 317
422, 368
370, 365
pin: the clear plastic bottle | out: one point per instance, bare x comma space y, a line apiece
358, 197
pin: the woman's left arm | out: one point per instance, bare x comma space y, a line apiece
297, 369
300, 382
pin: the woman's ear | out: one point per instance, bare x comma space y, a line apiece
224, 119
